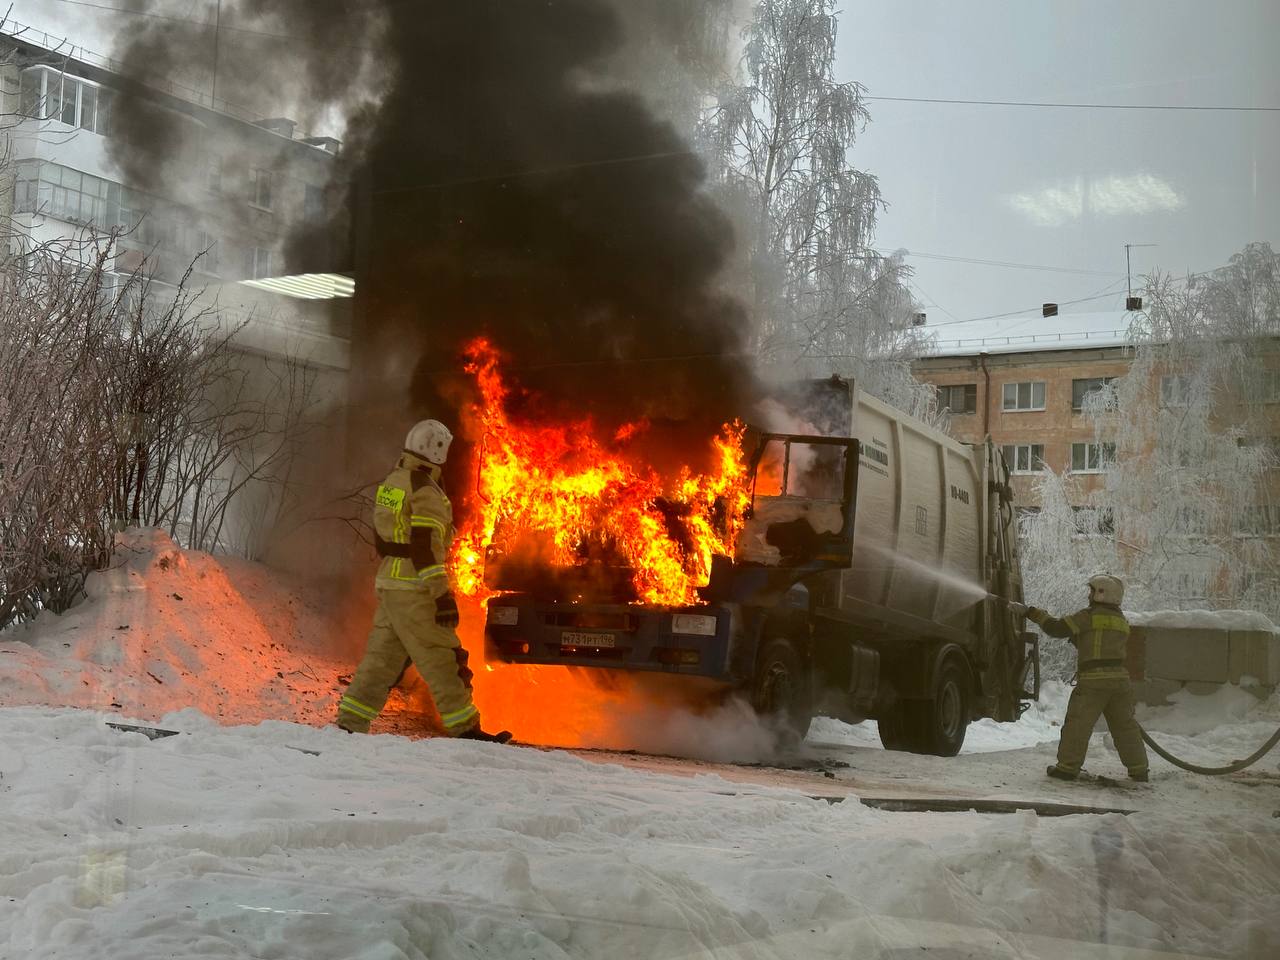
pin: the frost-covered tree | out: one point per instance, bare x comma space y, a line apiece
1190, 500
1061, 548
778, 140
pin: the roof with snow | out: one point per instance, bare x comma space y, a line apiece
1068, 331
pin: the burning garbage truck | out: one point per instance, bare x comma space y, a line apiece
859, 565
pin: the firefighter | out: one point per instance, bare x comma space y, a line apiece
1100, 633
417, 615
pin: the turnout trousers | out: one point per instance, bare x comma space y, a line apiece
1110, 698
404, 629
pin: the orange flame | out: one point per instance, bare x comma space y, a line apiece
559, 487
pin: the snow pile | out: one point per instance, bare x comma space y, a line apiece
1203, 620
1192, 713
1216, 728
228, 842
164, 629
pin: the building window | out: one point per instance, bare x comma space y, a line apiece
260, 188
1026, 516
51, 103
1024, 457
1175, 390
64, 194
1267, 387
70, 101
1270, 446
1184, 584
88, 107
958, 398
313, 203
1191, 520
1094, 520
1082, 388
1261, 520
46, 94
257, 263
106, 112
206, 248
32, 93
1091, 457
213, 174
1024, 396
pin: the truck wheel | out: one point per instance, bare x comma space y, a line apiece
942, 721
780, 687
893, 728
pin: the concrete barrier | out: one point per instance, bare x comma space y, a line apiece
1179, 653
1166, 658
1256, 654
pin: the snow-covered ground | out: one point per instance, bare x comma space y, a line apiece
261, 832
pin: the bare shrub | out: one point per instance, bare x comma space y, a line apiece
127, 405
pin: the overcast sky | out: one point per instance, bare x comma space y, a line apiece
1062, 188
1058, 187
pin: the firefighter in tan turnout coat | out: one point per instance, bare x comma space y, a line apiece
417, 615
1100, 633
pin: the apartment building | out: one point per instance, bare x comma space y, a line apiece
238, 184
1027, 392
228, 193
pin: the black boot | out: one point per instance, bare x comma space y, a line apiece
475, 733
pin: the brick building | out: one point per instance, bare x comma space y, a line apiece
1026, 391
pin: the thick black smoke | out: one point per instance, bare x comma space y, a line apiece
501, 183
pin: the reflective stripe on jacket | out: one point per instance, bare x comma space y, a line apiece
411, 501
1101, 637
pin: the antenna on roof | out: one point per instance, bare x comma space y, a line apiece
1130, 301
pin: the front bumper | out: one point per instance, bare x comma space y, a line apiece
619, 637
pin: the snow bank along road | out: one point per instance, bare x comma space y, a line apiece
228, 842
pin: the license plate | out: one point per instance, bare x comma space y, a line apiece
569, 639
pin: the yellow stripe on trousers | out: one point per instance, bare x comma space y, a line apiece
353, 705
459, 717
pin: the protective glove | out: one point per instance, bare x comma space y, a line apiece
1036, 615
447, 611
464, 672
1019, 609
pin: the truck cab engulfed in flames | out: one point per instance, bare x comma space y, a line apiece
870, 576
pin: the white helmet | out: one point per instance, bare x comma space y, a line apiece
430, 440
1106, 589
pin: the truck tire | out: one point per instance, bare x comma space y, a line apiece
940, 723
934, 726
780, 686
892, 726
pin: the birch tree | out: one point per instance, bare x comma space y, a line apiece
778, 139
1193, 485
1190, 497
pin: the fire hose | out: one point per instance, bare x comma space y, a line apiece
1233, 767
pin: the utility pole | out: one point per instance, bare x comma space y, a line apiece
217, 31
1127, 272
